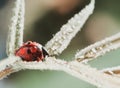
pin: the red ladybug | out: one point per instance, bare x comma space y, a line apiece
31, 51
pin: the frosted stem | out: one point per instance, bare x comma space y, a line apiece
80, 71
20, 25
99, 48
12, 30
6, 66
114, 71
75, 69
62, 39
15, 34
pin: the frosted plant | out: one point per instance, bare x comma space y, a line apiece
99, 48
106, 78
15, 37
62, 39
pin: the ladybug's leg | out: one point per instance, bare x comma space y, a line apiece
22, 58
43, 59
29, 42
39, 59
34, 59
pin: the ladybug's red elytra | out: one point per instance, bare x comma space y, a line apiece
31, 51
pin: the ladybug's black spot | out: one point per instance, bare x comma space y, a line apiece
28, 42
29, 51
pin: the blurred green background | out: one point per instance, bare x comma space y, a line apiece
43, 19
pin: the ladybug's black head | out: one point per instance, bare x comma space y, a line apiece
45, 53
